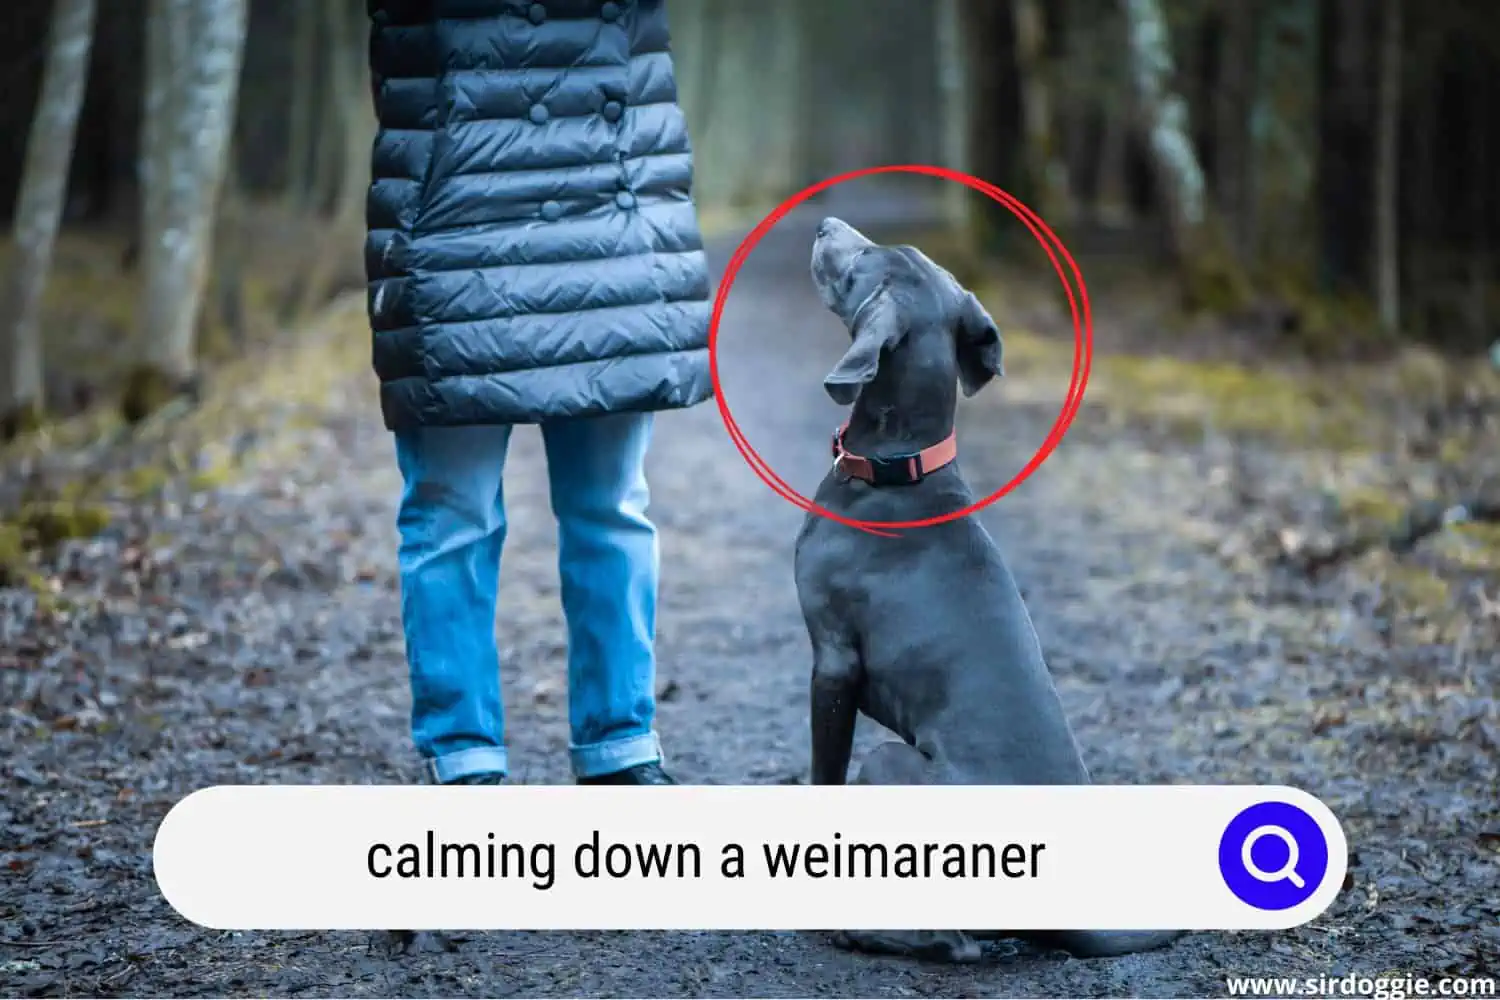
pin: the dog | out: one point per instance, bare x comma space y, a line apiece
925, 633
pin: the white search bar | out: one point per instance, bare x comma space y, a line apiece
738, 858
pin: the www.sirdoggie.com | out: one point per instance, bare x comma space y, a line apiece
1387, 986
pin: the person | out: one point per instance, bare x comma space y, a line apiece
534, 257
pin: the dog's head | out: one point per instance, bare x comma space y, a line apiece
905, 314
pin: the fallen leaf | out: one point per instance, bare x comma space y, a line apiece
189, 640
1328, 720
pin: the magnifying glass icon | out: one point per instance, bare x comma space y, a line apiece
1288, 871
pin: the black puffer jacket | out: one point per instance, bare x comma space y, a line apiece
533, 249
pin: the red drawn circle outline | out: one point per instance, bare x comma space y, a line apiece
1078, 305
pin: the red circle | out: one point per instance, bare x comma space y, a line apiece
1083, 343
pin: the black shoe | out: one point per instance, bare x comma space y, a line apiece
641, 774
478, 779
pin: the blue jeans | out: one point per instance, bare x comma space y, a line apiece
452, 526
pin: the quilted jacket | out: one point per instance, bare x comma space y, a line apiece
533, 251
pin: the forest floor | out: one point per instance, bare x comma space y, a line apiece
236, 621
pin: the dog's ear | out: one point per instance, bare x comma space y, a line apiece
877, 326
979, 348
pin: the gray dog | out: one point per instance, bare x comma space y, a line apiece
958, 674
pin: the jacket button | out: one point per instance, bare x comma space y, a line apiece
613, 110
551, 211
625, 199
538, 114
610, 11
536, 14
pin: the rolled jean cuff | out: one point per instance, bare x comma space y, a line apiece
462, 763
596, 759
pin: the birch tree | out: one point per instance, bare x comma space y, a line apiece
194, 53
49, 150
1387, 279
1164, 118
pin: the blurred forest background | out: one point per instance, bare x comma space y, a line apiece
187, 177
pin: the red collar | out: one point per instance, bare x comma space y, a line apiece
894, 470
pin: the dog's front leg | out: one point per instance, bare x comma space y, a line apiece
837, 677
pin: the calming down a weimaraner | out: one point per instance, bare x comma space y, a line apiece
925, 633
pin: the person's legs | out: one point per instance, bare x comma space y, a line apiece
608, 563
452, 526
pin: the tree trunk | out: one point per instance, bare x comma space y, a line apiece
1345, 129
303, 119
49, 151
692, 63
787, 122
1387, 250
736, 105
995, 133
953, 86
1481, 179
1285, 118
1044, 172
344, 33
1232, 108
1112, 194
228, 284
194, 58
1164, 117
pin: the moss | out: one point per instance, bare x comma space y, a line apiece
40, 525
1478, 547
21, 420
1024, 348
1232, 398
1372, 506
142, 481
146, 390
1327, 326
1214, 281
218, 474
1418, 589
15, 561
1322, 409
45, 524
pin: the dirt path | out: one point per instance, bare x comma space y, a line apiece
251, 635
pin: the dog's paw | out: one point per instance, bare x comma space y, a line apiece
928, 946
394, 944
